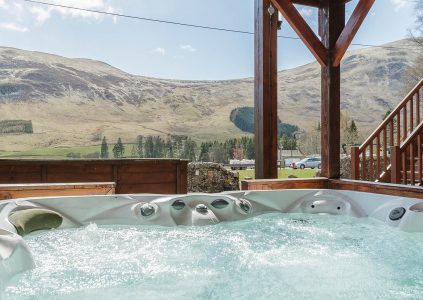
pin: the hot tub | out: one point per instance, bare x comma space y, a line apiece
312, 244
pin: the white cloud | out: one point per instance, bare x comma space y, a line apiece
42, 13
187, 47
306, 12
160, 50
398, 4
13, 27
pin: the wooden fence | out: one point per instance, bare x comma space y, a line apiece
161, 176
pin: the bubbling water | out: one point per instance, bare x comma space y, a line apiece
272, 256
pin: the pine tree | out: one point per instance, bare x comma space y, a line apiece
104, 149
149, 147
218, 153
133, 152
169, 149
158, 147
190, 147
251, 149
351, 135
118, 149
140, 146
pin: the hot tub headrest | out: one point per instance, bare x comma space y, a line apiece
32, 219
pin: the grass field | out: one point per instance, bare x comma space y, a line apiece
282, 173
51, 153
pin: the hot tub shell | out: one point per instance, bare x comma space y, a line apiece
198, 209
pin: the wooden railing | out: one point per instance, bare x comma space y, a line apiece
406, 160
371, 161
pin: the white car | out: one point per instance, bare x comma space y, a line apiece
309, 162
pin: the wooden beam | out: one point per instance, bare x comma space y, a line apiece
331, 24
350, 30
13, 191
300, 26
283, 184
315, 3
265, 90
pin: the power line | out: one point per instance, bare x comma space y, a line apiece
194, 25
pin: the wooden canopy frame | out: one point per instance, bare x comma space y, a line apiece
335, 38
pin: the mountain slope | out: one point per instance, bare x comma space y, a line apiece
77, 101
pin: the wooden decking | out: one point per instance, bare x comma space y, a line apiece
13, 191
335, 184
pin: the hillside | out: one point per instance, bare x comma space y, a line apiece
74, 102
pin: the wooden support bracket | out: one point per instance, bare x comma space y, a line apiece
300, 26
344, 41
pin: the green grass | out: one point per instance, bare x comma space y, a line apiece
57, 153
282, 173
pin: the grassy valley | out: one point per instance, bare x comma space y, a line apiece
73, 103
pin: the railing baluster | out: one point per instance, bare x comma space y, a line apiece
385, 150
399, 129
412, 165
411, 113
355, 163
377, 156
371, 171
419, 160
395, 165
404, 121
418, 108
363, 165
404, 168
391, 133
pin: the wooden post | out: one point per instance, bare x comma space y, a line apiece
395, 165
355, 163
331, 24
265, 90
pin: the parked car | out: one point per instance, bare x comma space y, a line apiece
309, 162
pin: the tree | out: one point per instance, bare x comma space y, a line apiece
133, 151
251, 149
351, 135
159, 147
190, 147
309, 142
204, 151
288, 143
149, 147
104, 149
140, 146
217, 153
169, 149
238, 152
118, 149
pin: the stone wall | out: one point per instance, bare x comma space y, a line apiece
211, 178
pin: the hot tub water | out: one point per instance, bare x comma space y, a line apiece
272, 256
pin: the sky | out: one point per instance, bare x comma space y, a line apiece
176, 52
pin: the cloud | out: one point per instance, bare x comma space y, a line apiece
399, 4
306, 12
42, 13
13, 27
187, 47
160, 50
